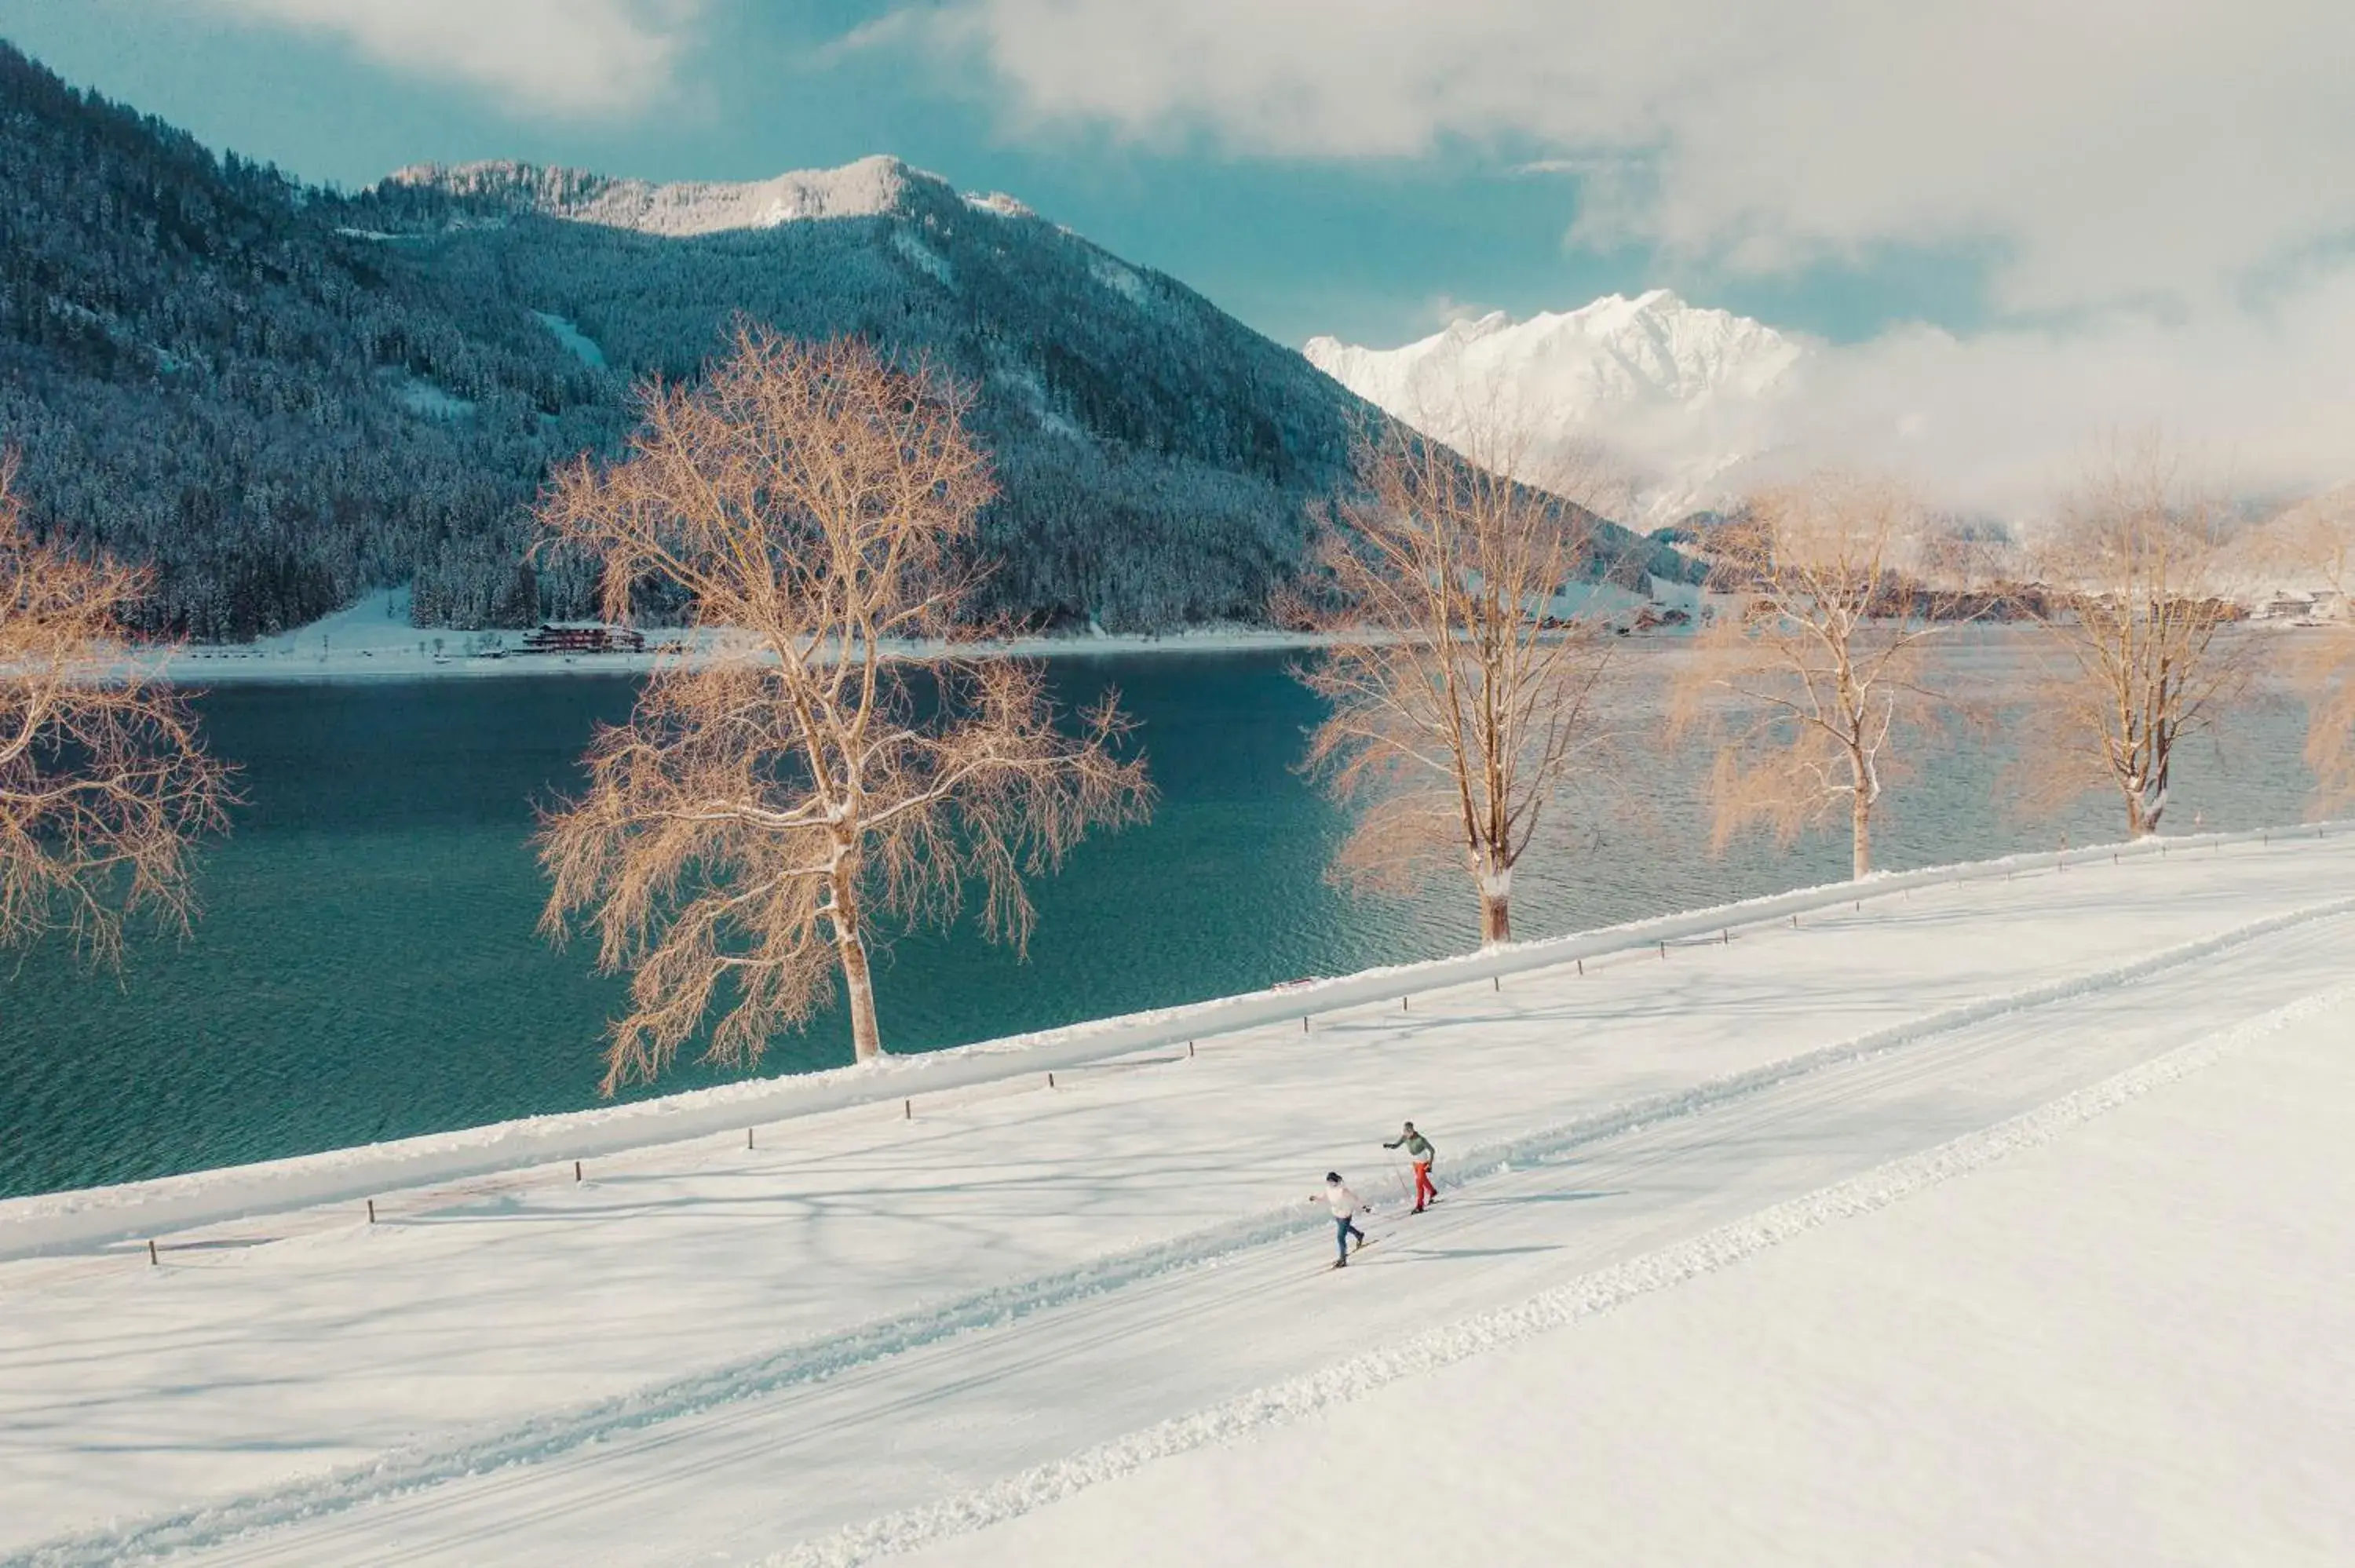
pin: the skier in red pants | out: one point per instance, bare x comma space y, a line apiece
1418, 1148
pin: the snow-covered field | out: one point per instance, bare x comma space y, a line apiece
1998, 1219
2122, 1341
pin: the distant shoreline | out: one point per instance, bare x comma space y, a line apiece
372, 641
276, 662
257, 663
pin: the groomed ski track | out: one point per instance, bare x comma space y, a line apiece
1630, 1120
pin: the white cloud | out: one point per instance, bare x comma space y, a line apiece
1994, 422
2102, 150
573, 59
1998, 419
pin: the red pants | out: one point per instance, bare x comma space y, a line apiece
1424, 1191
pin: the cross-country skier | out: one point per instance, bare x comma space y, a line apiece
1343, 1204
1418, 1148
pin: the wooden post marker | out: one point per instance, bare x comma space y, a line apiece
1050, 1080
371, 1211
906, 1110
748, 1138
152, 1261
576, 1170
1189, 1050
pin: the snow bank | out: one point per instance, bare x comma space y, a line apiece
582, 347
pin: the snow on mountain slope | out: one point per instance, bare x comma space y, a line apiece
1652, 350
868, 189
1680, 392
873, 186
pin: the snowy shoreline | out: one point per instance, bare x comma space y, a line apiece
372, 641
80, 1218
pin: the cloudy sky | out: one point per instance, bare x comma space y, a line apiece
2014, 221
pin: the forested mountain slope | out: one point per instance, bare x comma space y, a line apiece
199, 371
282, 395
1156, 456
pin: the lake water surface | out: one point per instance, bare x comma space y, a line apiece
367, 967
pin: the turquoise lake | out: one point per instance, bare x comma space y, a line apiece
368, 967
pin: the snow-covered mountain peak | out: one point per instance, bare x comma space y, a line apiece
1470, 329
870, 187
1652, 349
1677, 388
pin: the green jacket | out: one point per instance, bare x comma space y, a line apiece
1418, 1148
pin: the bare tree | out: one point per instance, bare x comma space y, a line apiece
2316, 540
2130, 595
104, 782
1463, 691
1809, 686
820, 765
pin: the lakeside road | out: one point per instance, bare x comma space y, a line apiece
872, 1331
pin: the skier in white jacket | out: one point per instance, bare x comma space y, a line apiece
1345, 1208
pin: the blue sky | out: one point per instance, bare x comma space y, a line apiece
1379, 249
2013, 225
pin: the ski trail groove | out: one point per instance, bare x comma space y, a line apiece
401, 1472
1597, 1292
